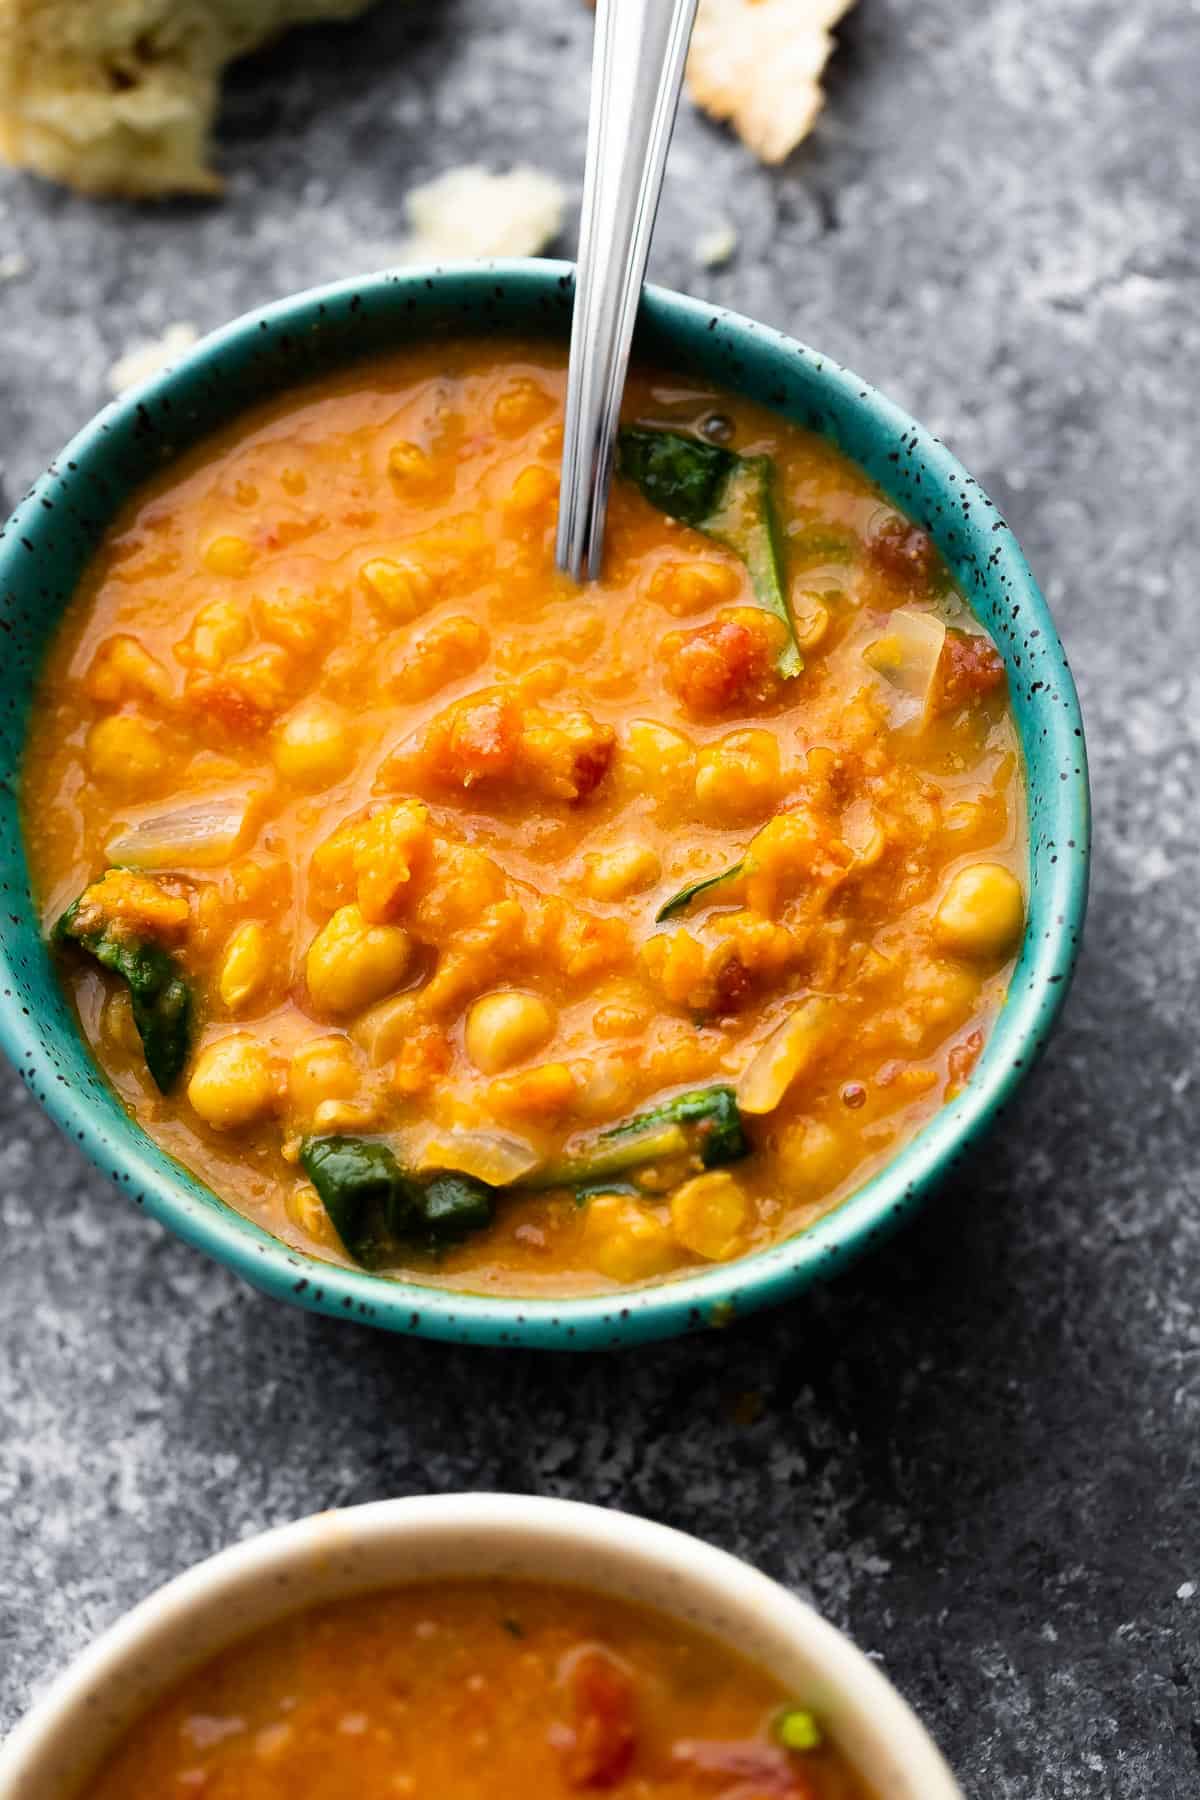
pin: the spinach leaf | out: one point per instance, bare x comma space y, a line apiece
366, 1194
605, 1156
616, 1184
453, 1206
705, 1122
685, 896
375, 1206
823, 543
683, 476
711, 1117
159, 991
730, 498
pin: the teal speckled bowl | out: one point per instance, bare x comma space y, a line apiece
52, 534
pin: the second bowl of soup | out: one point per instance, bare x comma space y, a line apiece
475, 1644
466, 930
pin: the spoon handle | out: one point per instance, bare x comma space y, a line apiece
637, 71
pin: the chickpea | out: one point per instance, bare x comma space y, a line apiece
687, 587
228, 555
621, 1018
408, 464
708, 1214
219, 631
626, 1239
232, 1083
738, 777
519, 406
606, 1086
123, 669
623, 1008
448, 650
401, 586
312, 747
663, 760
505, 1027
322, 1069
116, 1022
306, 1210
812, 1157
124, 752
345, 1115
531, 493
350, 963
982, 913
245, 965
624, 869
259, 680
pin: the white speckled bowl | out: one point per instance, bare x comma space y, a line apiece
86, 1711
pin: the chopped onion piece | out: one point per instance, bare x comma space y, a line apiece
490, 1156
785, 1055
863, 834
383, 1028
200, 835
907, 657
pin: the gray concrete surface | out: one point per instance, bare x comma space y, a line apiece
978, 1450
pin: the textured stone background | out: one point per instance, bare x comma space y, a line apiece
978, 1449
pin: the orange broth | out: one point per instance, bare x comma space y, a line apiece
445, 795
481, 1690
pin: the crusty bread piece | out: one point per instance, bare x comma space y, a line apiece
758, 63
470, 212
118, 96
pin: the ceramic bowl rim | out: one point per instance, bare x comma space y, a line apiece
683, 1303
695, 1574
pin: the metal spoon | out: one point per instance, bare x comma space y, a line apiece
637, 71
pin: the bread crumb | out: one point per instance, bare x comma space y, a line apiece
144, 359
468, 213
13, 265
714, 248
758, 64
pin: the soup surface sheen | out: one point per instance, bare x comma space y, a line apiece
390, 829
481, 1690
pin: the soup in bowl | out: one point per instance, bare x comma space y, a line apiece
467, 930
473, 1643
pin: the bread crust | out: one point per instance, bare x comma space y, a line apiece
117, 97
758, 65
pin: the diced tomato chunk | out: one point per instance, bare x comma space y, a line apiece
961, 1061
969, 666
905, 554
422, 1060
227, 706
591, 765
734, 982
476, 740
604, 1737
495, 736
721, 666
749, 1769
